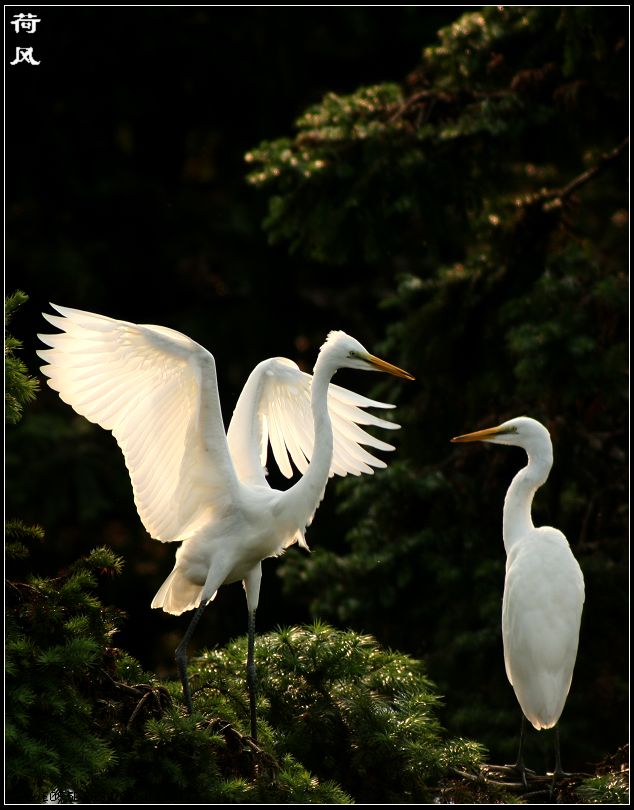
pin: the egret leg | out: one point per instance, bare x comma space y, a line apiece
251, 585
181, 655
519, 766
559, 771
251, 680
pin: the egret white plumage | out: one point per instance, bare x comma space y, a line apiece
543, 589
156, 390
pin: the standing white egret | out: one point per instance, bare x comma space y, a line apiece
543, 588
156, 390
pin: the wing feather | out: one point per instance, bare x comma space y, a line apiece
156, 390
275, 408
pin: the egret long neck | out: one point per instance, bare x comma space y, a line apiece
517, 520
308, 492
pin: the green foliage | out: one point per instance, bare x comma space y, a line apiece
306, 173
350, 712
57, 651
611, 783
17, 537
341, 718
610, 788
85, 724
161, 759
412, 171
20, 388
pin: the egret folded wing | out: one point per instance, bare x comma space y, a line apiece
275, 408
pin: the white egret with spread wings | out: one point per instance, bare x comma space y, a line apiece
156, 390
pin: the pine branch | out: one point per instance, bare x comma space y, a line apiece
554, 198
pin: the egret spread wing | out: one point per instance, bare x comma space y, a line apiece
156, 390
275, 407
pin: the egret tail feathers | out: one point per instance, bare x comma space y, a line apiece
177, 594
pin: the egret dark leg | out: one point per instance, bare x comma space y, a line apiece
251, 585
519, 765
559, 771
251, 682
181, 656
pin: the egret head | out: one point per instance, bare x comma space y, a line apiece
521, 432
343, 351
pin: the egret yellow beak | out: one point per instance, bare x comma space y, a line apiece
383, 365
481, 435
